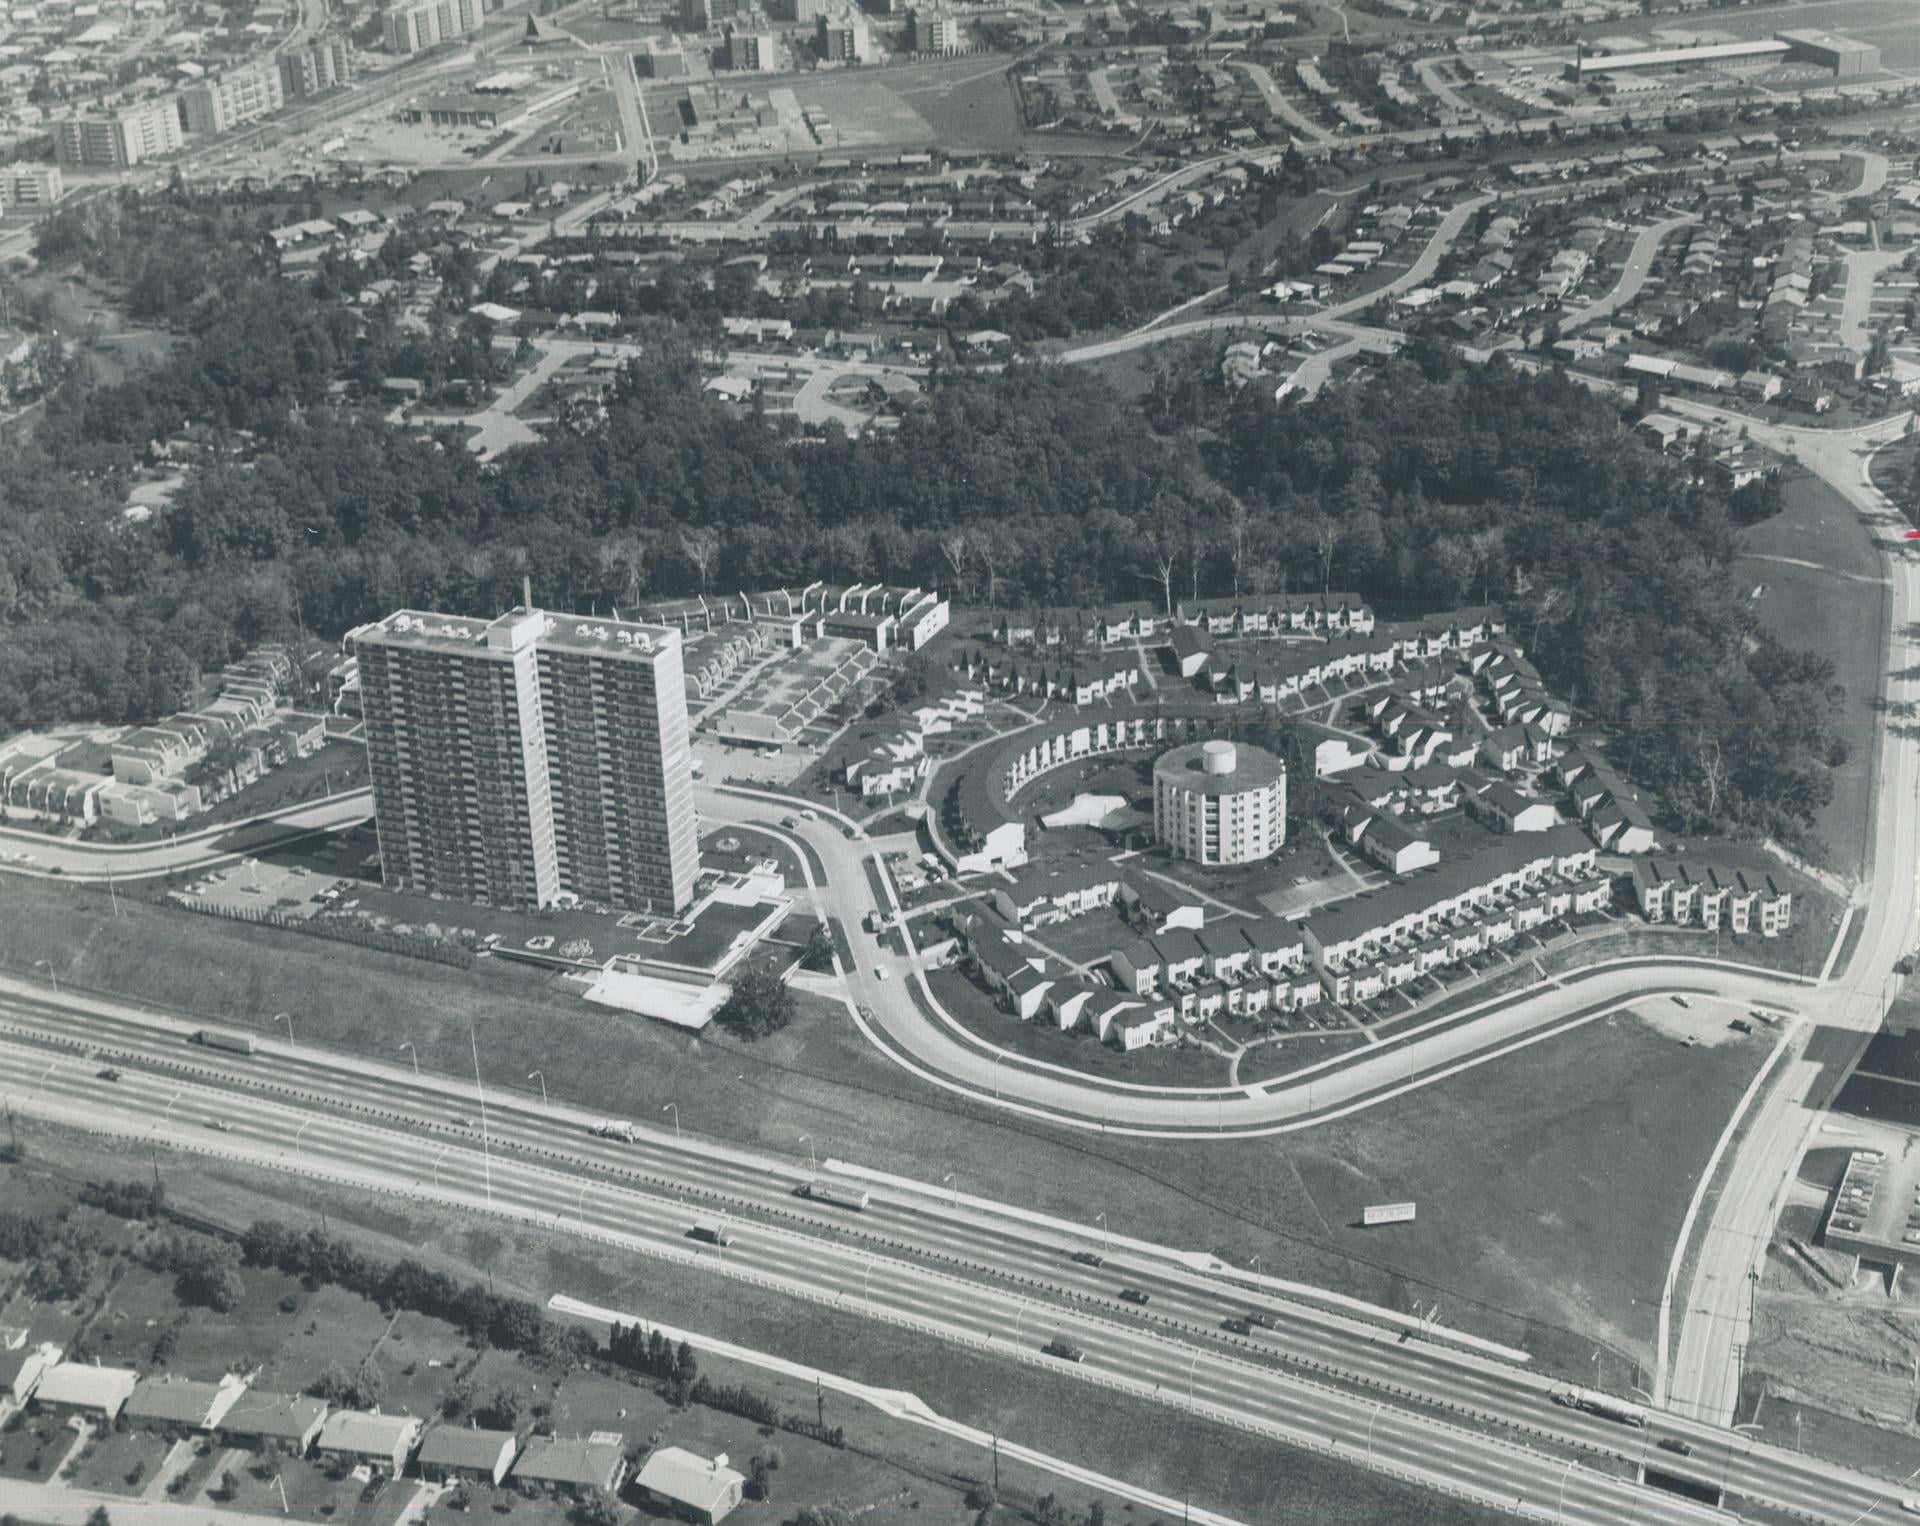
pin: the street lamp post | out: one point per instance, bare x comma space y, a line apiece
950, 1183
541, 1076
807, 1140
1106, 1235
407, 1044
1560, 1510
1378, 1405
674, 1108
287, 1018
47, 965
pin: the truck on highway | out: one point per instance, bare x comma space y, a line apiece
614, 1128
1065, 1350
713, 1232
845, 1194
1604, 1405
233, 1043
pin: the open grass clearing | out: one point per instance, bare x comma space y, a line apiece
1501, 1156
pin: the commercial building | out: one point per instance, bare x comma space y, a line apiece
239, 95
29, 185
119, 139
530, 760
1848, 59
1875, 1213
1219, 802
313, 70
661, 60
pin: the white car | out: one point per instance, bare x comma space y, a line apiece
879, 972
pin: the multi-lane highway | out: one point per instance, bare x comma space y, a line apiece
1318, 1375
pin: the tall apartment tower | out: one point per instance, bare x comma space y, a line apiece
523, 759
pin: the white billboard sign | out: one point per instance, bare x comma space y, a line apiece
1387, 1213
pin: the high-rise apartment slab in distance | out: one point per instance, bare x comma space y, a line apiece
527, 759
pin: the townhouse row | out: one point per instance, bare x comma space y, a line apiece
884, 616
1712, 896
1115, 625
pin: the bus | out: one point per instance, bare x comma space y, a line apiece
1604, 1405
233, 1043
845, 1194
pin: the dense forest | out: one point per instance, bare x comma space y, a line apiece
1421, 488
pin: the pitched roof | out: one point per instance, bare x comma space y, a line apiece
550, 1460
349, 1430
454, 1446
674, 1473
282, 1417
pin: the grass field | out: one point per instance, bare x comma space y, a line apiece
1837, 616
1503, 1158
966, 103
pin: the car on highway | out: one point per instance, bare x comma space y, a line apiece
1065, 1350
1134, 1295
789, 822
1911, 1505
221, 1124
1681, 1001
1261, 1320
1676, 1445
109, 1074
460, 1121
1237, 1326
1087, 1258
879, 972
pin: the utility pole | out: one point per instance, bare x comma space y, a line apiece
996, 1464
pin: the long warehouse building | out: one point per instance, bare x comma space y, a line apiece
1847, 58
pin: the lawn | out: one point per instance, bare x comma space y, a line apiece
1501, 1158
1267, 1061
1844, 620
120, 1462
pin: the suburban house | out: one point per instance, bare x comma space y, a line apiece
22, 1366
690, 1486
380, 1442
179, 1404
82, 1388
1389, 842
1502, 806
450, 1453
576, 1469
292, 1421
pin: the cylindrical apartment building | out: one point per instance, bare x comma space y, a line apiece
1219, 803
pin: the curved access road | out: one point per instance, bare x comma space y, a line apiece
1714, 1320
1633, 275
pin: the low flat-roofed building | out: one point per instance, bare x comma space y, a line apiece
695, 1488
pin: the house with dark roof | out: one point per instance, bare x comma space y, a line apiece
451, 1453
292, 1421
579, 1469
179, 1404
